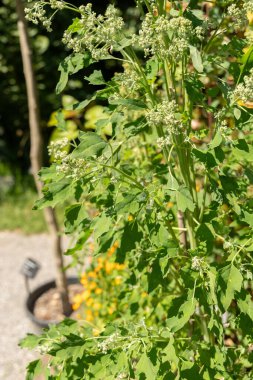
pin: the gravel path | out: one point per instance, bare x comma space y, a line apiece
14, 324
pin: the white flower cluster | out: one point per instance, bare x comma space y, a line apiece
163, 141
129, 81
108, 343
57, 4
198, 264
71, 167
239, 13
166, 38
37, 14
239, 16
95, 33
57, 149
244, 91
165, 114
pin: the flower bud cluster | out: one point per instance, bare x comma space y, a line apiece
95, 33
37, 14
244, 91
239, 13
163, 141
166, 38
165, 114
128, 81
239, 16
57, 148
108, 343
71, 167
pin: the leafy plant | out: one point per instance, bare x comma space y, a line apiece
172, 185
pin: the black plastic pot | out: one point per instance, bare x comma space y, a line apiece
35, 294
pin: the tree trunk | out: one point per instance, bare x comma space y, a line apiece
36, 152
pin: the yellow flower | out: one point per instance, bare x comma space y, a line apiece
89, 302
118, 280
119, 266
130, 218
170, 205
96, 332
111, 309
250, 17
246, 105
98, 268
92, 274
97, 306
109, 267
168, 6
92, 285
98, 291
85, 295
89, 315
84, 281
75, 306
78, 298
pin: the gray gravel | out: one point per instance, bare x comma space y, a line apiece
14, 324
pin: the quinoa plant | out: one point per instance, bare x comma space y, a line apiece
171, 182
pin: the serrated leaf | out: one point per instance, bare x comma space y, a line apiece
146, 367
90, 145
184, 199
246, 305
185, 312
54, 193
74, 216
96, 78
34, 369
233, 282
30, 341
71, 65
101, 225
170, 352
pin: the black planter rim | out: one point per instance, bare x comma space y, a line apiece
35, 294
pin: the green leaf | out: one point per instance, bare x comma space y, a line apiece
74, 216
217, 140
129, 103
206, 158
30, 341
185, 312
205, 233
212, 276
246, 62
71, 65
152, 68
233, 280
130, 237
55, 192
170, 352
146, 367
101, 225
196, 59
248, 218
237, 113
91, 145
184, 199
246, 305
34, 369
96, 78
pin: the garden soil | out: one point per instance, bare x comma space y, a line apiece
14, 324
